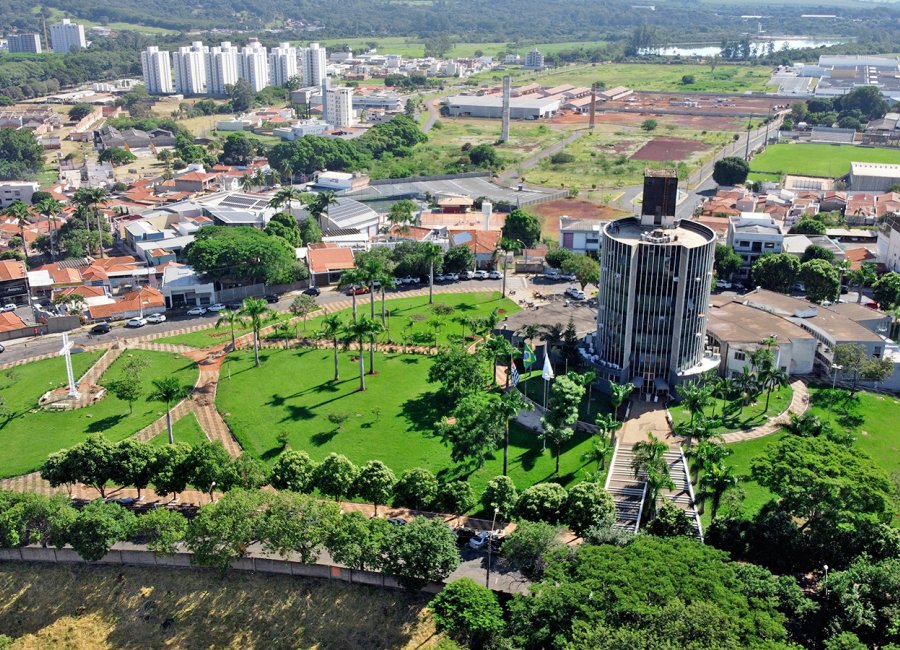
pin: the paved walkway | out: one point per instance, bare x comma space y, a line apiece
799, 404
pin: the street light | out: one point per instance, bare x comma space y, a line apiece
826, 580
835, 368
490, 541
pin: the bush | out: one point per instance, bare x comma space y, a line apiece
336, 476
530, 546
293, 471
671, 521
416, 489
562, 158
467, 611
542, 502
589, 506
99, 525
161, 529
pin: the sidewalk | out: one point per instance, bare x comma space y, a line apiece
799, 405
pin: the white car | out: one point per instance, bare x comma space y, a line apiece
196, 311
495, 275
481, 275
469, 275
453, 277
217, 307
440, 277
723, 284
575, 293
156, 318
136, 322
410, 280
8, 307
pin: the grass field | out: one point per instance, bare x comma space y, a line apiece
753, 415
825, 160
215, 335
186, 430
99, 607
393, 420
57, 14
412, 47
30, 434
873, 422
645, 76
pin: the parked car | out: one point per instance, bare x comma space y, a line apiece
216, 307
2, 348
397, 521
482, 539
440, 277
463, 535
567, 277
156, 318
101, 328
481, 275
8, 307
357, 290
575, 293
551, 275
453, 277
469, 275
409, 280
495, 275
196, 311
312, 291
723, 284
272, 298
235, 306
138, 321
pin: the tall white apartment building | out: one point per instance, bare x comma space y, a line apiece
65, 36
222, 68
190, 69
534, 60
255, 65
282, 64
339, 107
24, 43
314, 66
157, 68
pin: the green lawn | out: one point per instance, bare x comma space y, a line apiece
215, 335
186, 430
824, 160
30, 434
393, 420
753, 414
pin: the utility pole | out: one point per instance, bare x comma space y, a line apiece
747, 148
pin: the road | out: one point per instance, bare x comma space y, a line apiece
433, 114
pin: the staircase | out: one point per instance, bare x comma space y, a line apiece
627, 492
683, 494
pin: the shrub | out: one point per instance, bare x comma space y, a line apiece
542, 502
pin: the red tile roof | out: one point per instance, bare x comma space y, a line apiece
130, 302
9, 321
856, 257
481, 242
323, 260
11, 270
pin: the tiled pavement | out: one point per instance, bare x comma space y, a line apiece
799, 404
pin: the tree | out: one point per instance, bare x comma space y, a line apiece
21, 155
716, 479
484, 156
852, 358
456, 497
332, 327
171, 472
459, 259
222, 532
296, 523
284, 225
303, 305
248, 472
257, 311
649, 125
409, 109
285, 198
617, 395
727, 262
432, 256
49, 207
585, 269
458, 373
22, 215
237, 149
59, 469
335, 476
731, 171
823, 483
233, 319
133, 464
600, 450
374, 483
500, 494
807, 225
886, 290
310, 231
417, 489
241, 95
542, 502
99, 525
863, 600
863, 277
530, 546
294, 470
687, 80
467, 611
522, 226
360, 331
318, 204
243, 255
776, 272
210, 467
168, 389
80, 111
358, 541
588, 506
562, 413
816, 252
161, 529
128, 388
116, 156
402, 212
671, 521
420, 552
93, 460
694, 397
474, 429
556, 256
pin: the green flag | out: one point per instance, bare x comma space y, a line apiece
528, 357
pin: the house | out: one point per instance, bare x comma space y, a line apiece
888, 247
183, 287
195, 182
483, 243
580, 235
13, 282
797, 244
145, 300
454, 204
10, 321
337, 181
11, 191
753, 235
327, 262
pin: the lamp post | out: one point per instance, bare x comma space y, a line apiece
835, 368
487, 575
826, 580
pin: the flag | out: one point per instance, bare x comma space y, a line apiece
528, 357
548, 369
515, 375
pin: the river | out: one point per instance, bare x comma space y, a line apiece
796, 43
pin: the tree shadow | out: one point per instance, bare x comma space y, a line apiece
271, 454
296, 412
851, 420
323, 437
423, 411
99, 426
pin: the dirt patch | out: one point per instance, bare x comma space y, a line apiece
674, 149
551, 211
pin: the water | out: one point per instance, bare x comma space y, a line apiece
760, 46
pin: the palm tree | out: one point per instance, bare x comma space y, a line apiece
258, 312
774, 377
88, 200
259, 178
498, 349
745, 383
50, 207
511, 402
705, 454
648, 453
352, 278
658, 479
388, 281
359, 331
375, 328
232, 319
168, 389
507, 246
285, 197
694, 397
720, 388
600, 449
332, 326
617, 395
698, 429
552, 335
717, 478
20, 212
318, 205
607, 423
432, 255
247, 183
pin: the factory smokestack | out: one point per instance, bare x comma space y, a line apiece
593, 104
504, 133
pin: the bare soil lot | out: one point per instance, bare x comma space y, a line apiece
668, 149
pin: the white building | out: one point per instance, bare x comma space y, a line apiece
339, 107
189, 63
157, 68
222, 68
873, 177
66, 36
255, 65
534, 60
300, 129
581, 235
889, 244
11, 191
282, 64
752, 235
30, 43
314, 64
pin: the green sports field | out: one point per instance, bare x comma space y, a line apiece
824, 160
